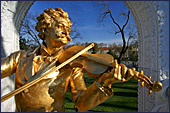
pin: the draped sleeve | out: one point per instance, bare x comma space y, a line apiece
86, 98
9, 64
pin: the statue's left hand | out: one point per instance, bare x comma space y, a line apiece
119, 73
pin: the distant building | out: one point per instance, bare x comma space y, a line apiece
104, 49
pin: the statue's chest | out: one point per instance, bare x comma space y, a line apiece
46, 91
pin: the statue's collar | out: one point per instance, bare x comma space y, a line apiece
44, 51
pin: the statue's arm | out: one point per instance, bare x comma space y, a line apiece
87, 98
9, 64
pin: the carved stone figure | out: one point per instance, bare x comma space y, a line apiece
48, 94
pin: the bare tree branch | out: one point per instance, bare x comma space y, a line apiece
114, 20
126, 20
107, 11
117, 32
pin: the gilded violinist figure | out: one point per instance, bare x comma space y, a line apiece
48, 95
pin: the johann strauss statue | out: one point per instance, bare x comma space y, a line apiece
48, 94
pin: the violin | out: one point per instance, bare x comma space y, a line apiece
93, 64
96, 64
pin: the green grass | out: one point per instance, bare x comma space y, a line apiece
123, 100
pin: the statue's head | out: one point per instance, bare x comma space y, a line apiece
54, 23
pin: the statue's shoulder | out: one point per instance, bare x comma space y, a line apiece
18, 53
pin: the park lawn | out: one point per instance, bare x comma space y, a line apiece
125, 98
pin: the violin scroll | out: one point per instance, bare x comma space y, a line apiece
146, 81
157, 86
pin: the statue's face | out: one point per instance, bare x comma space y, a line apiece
57, 35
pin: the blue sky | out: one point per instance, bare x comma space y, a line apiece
86, 14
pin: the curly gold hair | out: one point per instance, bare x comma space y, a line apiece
46, 19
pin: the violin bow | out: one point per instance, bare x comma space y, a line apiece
49, 69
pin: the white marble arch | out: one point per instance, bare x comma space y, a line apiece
145, 16
150, 33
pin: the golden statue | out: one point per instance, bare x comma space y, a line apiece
43, 77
